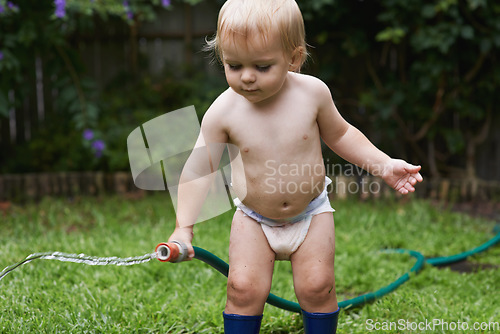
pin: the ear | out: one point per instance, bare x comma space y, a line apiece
297, 59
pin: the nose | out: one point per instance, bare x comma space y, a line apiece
248, 76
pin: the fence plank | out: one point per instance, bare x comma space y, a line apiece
45, 186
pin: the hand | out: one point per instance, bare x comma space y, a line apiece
401, 175
184, 235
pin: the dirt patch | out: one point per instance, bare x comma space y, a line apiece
468, 266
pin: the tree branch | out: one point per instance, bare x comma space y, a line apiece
437, 109
475, 69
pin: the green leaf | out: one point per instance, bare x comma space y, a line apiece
467, 32
485, 45
474, 4
454, 140
428, 11
27, 33
391, 34
322, 37
445, 5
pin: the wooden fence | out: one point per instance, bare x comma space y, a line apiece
447, 190
33, 187
29, 187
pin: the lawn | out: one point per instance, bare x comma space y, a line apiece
60, 297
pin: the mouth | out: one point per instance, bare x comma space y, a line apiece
250, 90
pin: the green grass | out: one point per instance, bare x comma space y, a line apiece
59, 297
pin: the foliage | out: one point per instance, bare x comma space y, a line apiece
49, 30
130, 102
35, 28
425, 72
40, 27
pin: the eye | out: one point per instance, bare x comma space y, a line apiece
234, 67
263, 68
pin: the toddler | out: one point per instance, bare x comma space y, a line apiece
276, 117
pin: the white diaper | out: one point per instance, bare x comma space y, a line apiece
285, 236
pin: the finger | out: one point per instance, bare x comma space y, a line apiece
190, 253
413, 169
418, 177
403, 191
409, 187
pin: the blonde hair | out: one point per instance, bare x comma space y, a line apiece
244, 18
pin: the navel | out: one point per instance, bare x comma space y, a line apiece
285, 204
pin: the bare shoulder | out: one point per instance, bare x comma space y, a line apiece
312, 86
217, 107
306, 78
214, 124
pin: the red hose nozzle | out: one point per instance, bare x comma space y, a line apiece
174, 251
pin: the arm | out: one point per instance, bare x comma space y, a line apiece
350, 144
197, 176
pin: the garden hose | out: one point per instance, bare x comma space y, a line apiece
168, 252
439, 261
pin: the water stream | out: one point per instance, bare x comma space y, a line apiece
80, 258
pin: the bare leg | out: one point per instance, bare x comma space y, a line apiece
312, 265
251, 263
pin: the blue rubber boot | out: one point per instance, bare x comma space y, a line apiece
241, 324
320, 323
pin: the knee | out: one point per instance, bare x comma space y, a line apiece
316, 289
243, 290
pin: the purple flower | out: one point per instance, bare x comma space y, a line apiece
165, 3
126, 6
88, 134
60, 8
98, 146
10, 6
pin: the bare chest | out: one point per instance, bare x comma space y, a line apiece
278, 135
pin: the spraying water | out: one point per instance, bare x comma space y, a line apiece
80, 258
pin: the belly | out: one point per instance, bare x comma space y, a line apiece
280, 196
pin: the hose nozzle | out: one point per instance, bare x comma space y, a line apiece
174, 251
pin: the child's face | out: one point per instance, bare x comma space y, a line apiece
255, 69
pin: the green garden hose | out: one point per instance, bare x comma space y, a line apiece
164, 253
221, 266
439, 261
